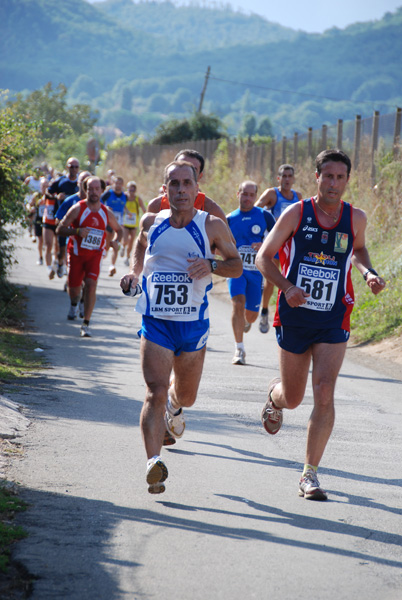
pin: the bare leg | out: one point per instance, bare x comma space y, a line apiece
327, 361
187, 369
89, 298
238, 316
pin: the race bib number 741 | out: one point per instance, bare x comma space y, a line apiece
321, 283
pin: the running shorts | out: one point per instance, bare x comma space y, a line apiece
299, 339
178, 336
249, 285
81, 267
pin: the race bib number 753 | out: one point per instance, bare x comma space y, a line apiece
321, 283
170, 293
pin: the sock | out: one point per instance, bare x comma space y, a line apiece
85, 322
309, 468
154, 458
172, 409
264, 311
239, 345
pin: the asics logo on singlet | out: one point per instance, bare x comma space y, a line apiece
307, 228
246, 219
330, 274
171, 278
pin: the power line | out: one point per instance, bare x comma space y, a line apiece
262, 87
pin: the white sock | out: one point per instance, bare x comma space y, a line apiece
239, 345
172, 409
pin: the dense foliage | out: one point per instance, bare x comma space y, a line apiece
140, 63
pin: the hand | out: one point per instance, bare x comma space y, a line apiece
296, 297
83, 232
375, 283
127, 281
199, 268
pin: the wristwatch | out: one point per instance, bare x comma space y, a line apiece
214, 264
372, 271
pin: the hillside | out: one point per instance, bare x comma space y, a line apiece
113, 55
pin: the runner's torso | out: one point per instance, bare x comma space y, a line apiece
318, 259
248, 228
168, 291
96, 221
282, 203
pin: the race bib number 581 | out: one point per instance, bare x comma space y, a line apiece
321, 283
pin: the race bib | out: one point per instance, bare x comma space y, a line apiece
49, 210
41, 210
119, 217
321, 283
93, 240
247, 255
130, 219
170, 294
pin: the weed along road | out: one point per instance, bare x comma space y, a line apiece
230, 525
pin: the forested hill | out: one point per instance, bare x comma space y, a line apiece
138, 63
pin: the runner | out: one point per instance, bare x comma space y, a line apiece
249, 225
38, 203
60, 189
86, 223
318, 241
131, 219
115, 199
276, 199
202, 201
175, 252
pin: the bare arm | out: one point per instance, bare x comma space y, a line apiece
118, 229
267, 199
361, 259
140, 247
142, 205
279, 234
64, 227
220, 238
154, 205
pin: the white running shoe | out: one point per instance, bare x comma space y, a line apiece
156, 474
85, 332
122, 250
239, 357
51, 272
175, 424
309, 487
112, 270
72, 313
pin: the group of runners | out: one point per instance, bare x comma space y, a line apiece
184, 240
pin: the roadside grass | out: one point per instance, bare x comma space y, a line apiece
17, 358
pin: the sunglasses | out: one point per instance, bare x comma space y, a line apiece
73, 166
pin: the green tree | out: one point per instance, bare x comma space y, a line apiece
20, 141
198, 127
249, 125
265, 128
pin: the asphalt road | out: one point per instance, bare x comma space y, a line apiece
230, 524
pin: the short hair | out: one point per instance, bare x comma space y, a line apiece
286, 167
332, 155
248, 182
131, 183
192, 154
178, 163
118, 178
85, 182
84, 175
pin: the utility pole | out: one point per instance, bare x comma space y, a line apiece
204, 89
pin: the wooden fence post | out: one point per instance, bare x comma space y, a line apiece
339, 134
358, 131
295, 147
273, 160
324, 130
284, 142
397, 132
374, 142
310, 142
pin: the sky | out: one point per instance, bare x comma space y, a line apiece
313, 16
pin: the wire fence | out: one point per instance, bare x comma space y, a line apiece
359, 138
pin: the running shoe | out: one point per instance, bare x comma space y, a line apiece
168, 440
175, 424
156, 474
127, 262
85, 332
271, 416
112, 271
60, 270
264, 324
52, 272
247, 327
309, 487
81, 309
239, 357
72, 313
122, 250
39, 261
